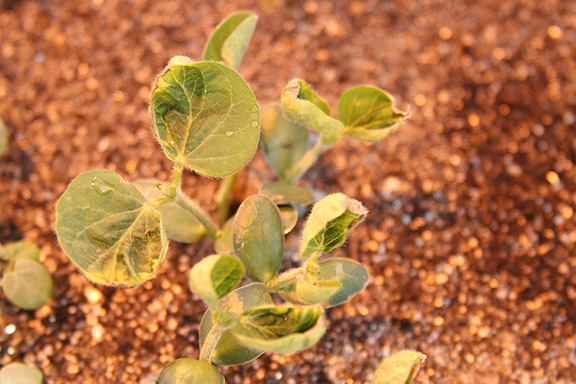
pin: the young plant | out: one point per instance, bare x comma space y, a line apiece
25, 282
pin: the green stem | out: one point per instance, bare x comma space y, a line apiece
276, 283
223, 197
211, 230
212, 340
177, 175
306, 161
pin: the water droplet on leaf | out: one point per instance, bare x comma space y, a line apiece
255, 108
100, 186
255, 123
229, 133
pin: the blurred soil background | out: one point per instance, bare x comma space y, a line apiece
471, 237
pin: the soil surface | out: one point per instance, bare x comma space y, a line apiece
471, 237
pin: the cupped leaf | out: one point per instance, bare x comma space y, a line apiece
259, 238
283, 142
280, 329
329, 223
302, 105
215, 277
400, 368
229, 351
230, 39
109, 231
18, 373
285, 193
368, 113
190, 371
224, 244
3, 137
303, 292
352, 275
28, 285
180, 225
205, 117
289, 216
20, 250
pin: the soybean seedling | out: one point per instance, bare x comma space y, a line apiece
24, 281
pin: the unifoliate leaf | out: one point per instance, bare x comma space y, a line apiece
368, 113
304, 292
106, 227
215, 276
205, 117
229, 351
224, 244
283, 142
280, 329
284, 193
179, 224
190, 371
20, 250
18, 373
28, 285
349, 273
230, 39
3, 137
329, 223
289, 216
259, 238
302, 105
400, 368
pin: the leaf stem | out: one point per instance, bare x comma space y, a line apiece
177, 175
211, 230
307, 160
276, 283
212, 340
223, 197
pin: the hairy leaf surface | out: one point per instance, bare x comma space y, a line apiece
106, 227
230, 39
205, 117
259, 238
368, 113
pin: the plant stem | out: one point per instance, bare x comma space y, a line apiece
211, 342
306, 161
276, 283
223, 197
177, 175
211, 230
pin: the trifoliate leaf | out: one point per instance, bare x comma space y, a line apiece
329, 223
259, 238
28, 285
230, 39
190, 371
368, 113
399, 368
205, 117
302, 105
106, 227
215, 277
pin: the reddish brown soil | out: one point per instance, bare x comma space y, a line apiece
471, 236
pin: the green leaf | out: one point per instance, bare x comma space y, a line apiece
283, 141
280, 329
349, 273
224, 244
284, 193
289, 216
180, 225
20, 250
28, 285
399, 368
302, 105
368, 113
18, 373
303, 292
329, 223
3, 137
190, 371
259, 238
230, 39
215, 277
106, 227
205, 117
229, 351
